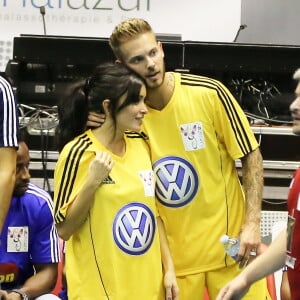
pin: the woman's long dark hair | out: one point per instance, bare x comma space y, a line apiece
108, 81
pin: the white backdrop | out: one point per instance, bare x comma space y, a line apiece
197, 20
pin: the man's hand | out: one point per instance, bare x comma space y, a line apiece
249, 244
95, 120
252, 174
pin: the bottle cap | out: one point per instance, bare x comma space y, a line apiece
224, 239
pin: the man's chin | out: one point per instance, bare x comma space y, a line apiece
154, 84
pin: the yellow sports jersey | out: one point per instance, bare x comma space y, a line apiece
115, 255
194, 141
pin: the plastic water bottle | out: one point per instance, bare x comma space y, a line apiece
231, 245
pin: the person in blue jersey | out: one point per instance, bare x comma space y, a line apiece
8, 145
29, 250
63, 293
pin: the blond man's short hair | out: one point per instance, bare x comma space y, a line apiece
127, 30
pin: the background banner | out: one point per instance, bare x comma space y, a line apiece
197, 20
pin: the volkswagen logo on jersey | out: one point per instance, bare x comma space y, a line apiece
134, 228
176, 181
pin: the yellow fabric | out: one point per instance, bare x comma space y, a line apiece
194, 141
97, 256
195, 284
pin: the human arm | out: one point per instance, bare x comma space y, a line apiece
172, 290
8, 146
252, 177
8, 159
78, 211
285, 292
40, 283
271, 260
43, 254
3, 295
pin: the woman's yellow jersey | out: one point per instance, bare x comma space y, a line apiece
115, 254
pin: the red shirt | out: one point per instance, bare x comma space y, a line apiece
293, 241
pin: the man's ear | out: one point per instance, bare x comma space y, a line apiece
117, 61
160, 46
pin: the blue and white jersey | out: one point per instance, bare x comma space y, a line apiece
29, 237
9, 121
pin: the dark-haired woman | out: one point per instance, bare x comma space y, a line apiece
104, 194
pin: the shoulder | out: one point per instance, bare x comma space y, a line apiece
37, 197
77, 146
189, 85
296, 177
137, 140
8, 115
4, 83
82, 140
38, 192
75, 155
5, 90
191, 80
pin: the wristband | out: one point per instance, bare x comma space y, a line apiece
22, 294
284, 269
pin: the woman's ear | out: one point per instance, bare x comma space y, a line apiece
105, 105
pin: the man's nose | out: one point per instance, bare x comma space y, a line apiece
150, 63
295, 107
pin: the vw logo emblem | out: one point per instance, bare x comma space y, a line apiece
134, 228
176, 181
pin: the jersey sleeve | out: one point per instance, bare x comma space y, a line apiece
69, 175
232, 125
44, 246
8, 115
